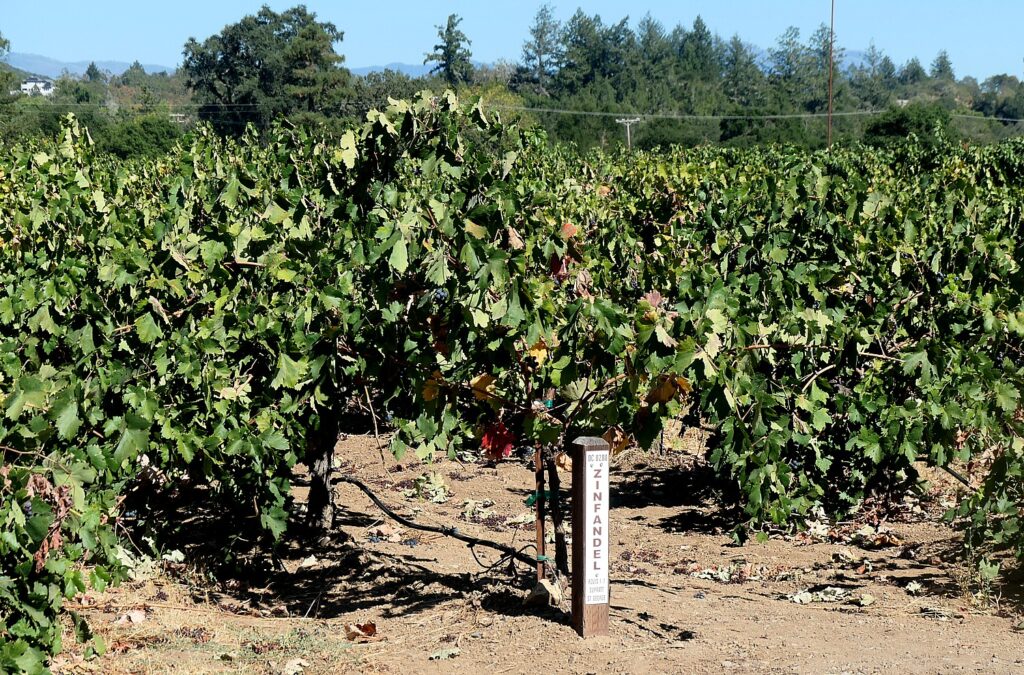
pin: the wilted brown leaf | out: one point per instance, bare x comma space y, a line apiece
617, 440
131, 617
514, 240
564, 462
362, 632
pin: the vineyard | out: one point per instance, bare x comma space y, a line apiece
213, 318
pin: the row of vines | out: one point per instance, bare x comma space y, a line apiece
218, 313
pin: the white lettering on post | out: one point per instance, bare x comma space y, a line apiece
596, 516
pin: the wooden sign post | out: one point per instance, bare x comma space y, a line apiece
590, 464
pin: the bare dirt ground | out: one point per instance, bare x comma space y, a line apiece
889, 597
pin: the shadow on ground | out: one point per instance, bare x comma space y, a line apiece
333, 576
699, 500
325, 578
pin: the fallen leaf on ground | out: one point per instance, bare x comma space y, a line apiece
445, 654
133, 616
386, 533
940, 613
870, 537
123, 646
362, 632
802, 598
828, 594
521, 519
544, 593
294, 667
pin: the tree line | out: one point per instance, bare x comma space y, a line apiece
689, 85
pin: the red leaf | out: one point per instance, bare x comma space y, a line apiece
654, 298
497, 441
559, 267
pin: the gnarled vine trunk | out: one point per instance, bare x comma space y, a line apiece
557, 517
320, 460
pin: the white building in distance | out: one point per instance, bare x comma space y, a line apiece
36, 85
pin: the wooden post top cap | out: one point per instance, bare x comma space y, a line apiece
591, 443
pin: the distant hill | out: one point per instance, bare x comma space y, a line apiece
410, 69
18, 73
47, 67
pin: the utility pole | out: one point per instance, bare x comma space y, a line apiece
831, 67
628, 123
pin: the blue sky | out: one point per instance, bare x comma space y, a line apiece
982, 36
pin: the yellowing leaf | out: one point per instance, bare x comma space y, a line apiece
663, 336
432, 388
237, 390
483, 387
663, 391
667, 388
346, 152
539, 352
477, 231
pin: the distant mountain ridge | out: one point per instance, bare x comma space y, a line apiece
410, 69
48, 67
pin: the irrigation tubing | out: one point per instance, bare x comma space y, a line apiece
509, 551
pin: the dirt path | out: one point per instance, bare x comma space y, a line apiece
683, 598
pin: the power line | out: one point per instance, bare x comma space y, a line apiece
982, 118
681, 116
777, 116
135, 106
227, 108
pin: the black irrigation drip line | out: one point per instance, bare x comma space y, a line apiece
509, 551
952, 472
501, 561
